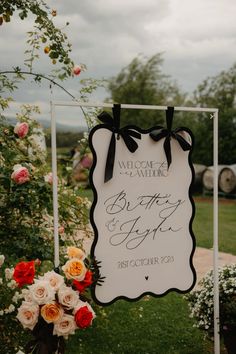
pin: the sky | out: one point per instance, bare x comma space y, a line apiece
197, 39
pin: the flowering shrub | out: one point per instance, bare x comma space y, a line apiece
201, 300
26, 223
52, 306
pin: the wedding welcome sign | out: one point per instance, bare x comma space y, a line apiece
142, 211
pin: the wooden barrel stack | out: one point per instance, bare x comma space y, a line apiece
226, 178
199, 171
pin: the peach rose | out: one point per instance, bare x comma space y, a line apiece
42, 292
21, 129
65, 326
74, 269
55, 280
74, 252
20, 174
68, 297
52, 312
76, 70
28, 314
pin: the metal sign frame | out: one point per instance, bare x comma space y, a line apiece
213, 115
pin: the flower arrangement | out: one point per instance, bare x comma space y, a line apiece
54, 306
201, 302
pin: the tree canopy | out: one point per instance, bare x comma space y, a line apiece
218, 92
143, 82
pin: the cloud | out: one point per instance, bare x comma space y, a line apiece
198, 39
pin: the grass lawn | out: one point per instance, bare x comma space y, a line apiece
203, 225
162, 325
149, 326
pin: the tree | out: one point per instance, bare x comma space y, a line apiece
143, 82
44, 32
217, 92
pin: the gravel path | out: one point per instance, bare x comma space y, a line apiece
203, 260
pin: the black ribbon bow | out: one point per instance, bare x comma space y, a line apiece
168, 133
126, 133
44, 341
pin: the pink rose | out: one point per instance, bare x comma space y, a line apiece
61, 230
21, 129
20, 174
76, 70
48, 178
87, 161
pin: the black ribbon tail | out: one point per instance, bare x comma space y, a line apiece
110, 158
127, 135
167, 150
182, 142
169, 118
116, 114
105, 118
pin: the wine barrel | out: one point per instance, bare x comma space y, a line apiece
208, 177
199, 170
227, 179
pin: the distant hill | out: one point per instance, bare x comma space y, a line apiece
60, 127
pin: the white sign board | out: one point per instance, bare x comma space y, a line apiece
142, 218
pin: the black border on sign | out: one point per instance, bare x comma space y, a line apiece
142, 131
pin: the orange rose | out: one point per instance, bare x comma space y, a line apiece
52, 312
46, 50
74, 269
74, 252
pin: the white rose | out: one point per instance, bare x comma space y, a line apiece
16, 297
65, 326
48, 178
11, 308
27, 295
42, 292
2, 259
68, 297
12, 284
28, 314
9, 273
55, 280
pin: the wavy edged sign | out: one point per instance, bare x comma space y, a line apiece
142, 216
